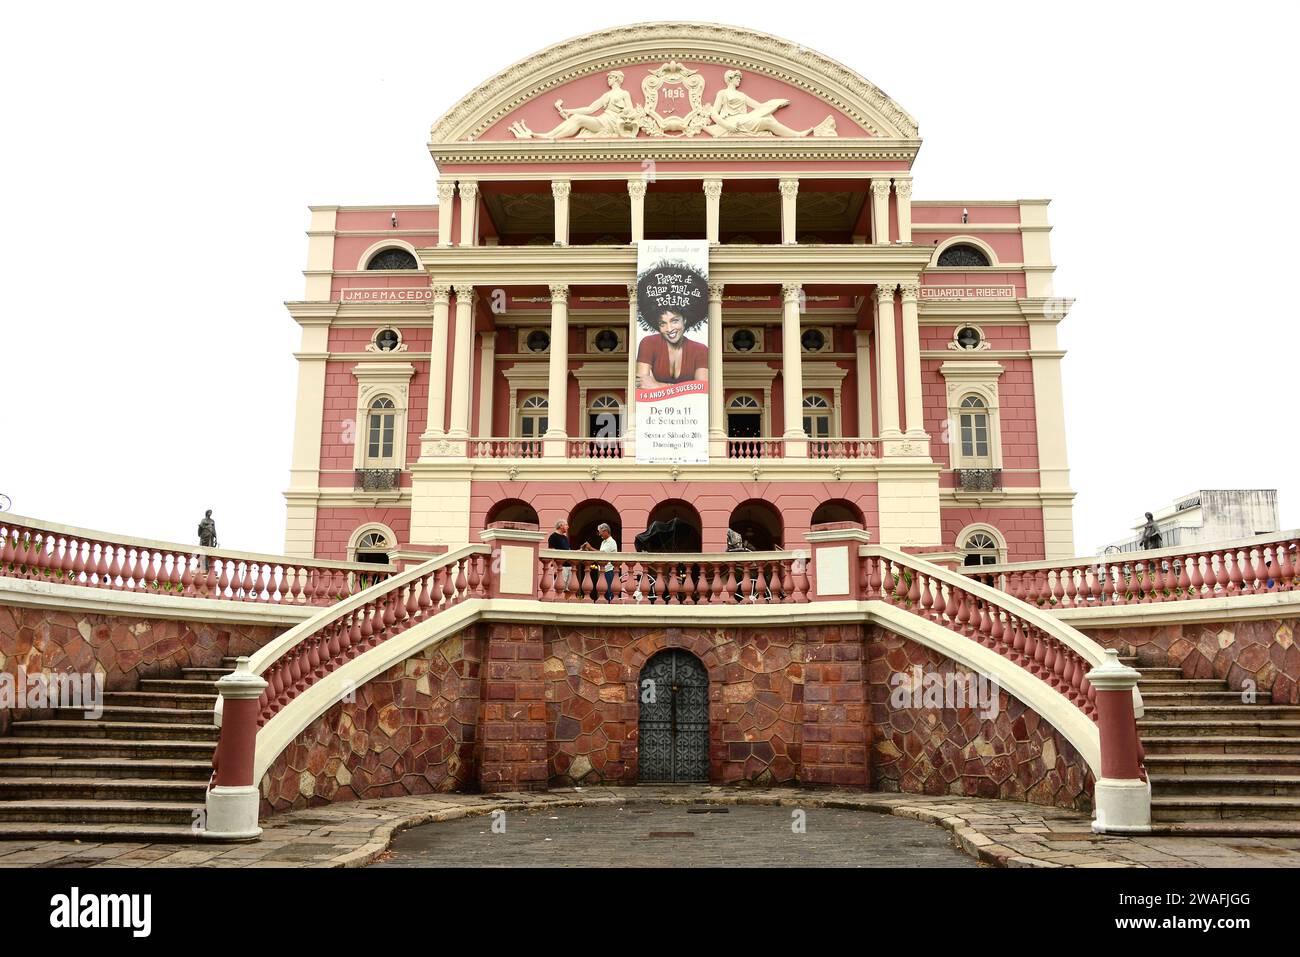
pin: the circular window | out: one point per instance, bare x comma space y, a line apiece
387, 340
743, 340
606, 340
538, 341
968, 337
814, 340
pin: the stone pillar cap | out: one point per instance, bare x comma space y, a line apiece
241, 683
1112, 674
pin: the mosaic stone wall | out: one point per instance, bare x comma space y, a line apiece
1005, 751
411, 730
1263, 651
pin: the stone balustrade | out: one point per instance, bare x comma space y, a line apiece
768, 578
615, 448
33, 550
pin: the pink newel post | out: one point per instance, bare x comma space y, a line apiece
513, 565
233, 798
1122, 797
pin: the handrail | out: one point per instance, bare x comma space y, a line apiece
35, 550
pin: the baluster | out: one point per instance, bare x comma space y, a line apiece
638, 583
1236, 575
445, 586
731, 585
802, 582
1057, 589
472, 579
1285, 570
1183, 586
998, 633
1257, 566
925, 603
548, 580
914, 589
787, 581
688, 586
877, 580
1037, 665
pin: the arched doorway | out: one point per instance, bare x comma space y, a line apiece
585, 518
688, 537
759, 524
673, 735
512, 510
837, 510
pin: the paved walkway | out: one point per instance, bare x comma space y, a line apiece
999, 833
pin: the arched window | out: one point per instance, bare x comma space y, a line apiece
380, 432
981, 548
392, 259
744, 417
373, 547
974, 427
533, 420
963, 254
816, 416
605, 417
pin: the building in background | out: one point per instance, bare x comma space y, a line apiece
1210, 515
872, 357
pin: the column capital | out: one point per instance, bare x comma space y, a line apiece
715, 291
791, 291
488, 336
468, 190
465, 293
713, 188
911, 291
903, 188
880, 187
789, 188
560, 188
885, 293
635, 187
631, 294
446, 190
441, 294
560, 291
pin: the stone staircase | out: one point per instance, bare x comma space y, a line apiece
1218, 766
140, 772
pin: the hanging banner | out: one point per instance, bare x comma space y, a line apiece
671, 359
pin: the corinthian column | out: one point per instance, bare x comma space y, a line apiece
446, 196
886, 362
903, 193
717, 416
461, 372
468, 213
796, 445
438, 363
789, 193
636, 190
557, 400
912, 402
880, 211
712, 206
560, 189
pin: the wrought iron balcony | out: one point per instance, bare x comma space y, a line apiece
978, 480
376, 480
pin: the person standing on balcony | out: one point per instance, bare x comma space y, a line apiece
607, 544
559, 541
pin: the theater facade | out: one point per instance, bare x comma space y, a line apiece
844, 351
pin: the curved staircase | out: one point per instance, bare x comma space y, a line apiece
139, 772
1217, 765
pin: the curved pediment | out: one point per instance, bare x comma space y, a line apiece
680, 81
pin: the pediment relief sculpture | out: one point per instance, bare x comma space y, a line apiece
733, 113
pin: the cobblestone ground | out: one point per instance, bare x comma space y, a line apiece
358, 833
665, 835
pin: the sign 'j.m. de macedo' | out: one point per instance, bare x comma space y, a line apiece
672, 354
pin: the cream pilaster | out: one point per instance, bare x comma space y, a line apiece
433, 427
886, 362
461, 371
320, 253
912, 395
712, 206
557, 401
796, 445
486, 381
468, 214
304, 473
560, 190
862, 348
636, 192
1049, 423
903, 194
789, 197
446, 196
717, 417
880, 211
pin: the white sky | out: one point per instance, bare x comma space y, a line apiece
159, 160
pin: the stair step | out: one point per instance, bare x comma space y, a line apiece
116, 730
1221, 712
197, 674
100, 789
1268, 729
1167, 674
1185, 697
160, 699
177, 686
1252, 807
1226, 828
1210, 744
76, 747
61, 768
130, 713
56, 811
98, 833
1158, 685
1225, 785
1250, 763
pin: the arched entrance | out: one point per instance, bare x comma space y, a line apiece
674, 724
512, 510
837, 510
759, 524
688, 537
585, 518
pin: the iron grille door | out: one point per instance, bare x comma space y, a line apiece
674, 725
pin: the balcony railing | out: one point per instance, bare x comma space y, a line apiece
841, 449
611, 448
376, 480
977, 480
755, 448
737, 448
505, 448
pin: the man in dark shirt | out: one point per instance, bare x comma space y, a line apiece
559, 539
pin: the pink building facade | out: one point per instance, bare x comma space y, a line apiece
873, 357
